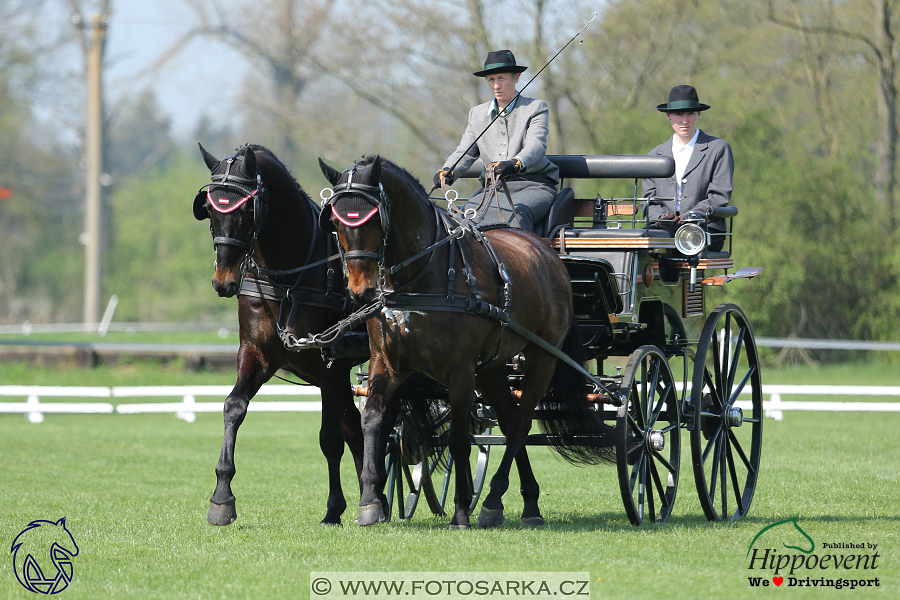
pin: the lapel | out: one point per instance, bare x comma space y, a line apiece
698, 153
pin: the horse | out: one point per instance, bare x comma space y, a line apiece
270, 253
448, 295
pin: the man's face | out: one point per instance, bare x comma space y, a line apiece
684, 124
503, 85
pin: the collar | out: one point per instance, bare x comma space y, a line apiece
676, 145
509, 107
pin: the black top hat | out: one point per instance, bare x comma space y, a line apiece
499, 61
682, 98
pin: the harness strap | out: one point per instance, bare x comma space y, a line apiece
308, 297
227, 241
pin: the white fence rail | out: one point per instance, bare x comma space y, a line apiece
188, 407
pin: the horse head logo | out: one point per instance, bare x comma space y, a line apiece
789, 534
38, 546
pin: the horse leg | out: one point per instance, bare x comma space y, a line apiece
337, 422
494, 388
515, 422
251, 376
461, 391
531, 491
377, 419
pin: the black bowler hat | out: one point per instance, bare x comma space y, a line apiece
682, 98
499, 61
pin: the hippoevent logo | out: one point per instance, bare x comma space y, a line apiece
784, 554
42, 556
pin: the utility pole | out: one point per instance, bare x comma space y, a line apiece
93, 237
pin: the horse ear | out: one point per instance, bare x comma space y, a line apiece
373, 173
211, 161
331, 174
249, 162
200, 211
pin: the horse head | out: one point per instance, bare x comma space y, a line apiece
358, 211
235, 203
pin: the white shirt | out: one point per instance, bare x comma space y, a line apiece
682, 154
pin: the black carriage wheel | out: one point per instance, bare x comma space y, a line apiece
726, 434
478, 463
648, 432
407, 469
411, 468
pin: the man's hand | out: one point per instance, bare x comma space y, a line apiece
506, 168
447, 176
672, 218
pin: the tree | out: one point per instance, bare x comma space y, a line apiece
873, 29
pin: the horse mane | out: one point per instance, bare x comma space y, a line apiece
259, 148
394, 169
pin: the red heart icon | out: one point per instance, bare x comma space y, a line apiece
778, 580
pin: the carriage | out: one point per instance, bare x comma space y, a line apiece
640, 299
657, 363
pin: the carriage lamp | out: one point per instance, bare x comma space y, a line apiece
690, 240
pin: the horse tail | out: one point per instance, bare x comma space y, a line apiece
574, 425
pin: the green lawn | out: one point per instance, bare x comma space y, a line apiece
134, 490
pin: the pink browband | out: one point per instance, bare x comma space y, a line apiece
223, 205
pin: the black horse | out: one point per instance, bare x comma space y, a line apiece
457, 305
270, 252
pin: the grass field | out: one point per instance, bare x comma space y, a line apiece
135, 490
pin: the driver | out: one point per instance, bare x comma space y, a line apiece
703, 168
516, 142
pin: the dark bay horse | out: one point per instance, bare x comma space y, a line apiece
444, 291
270, 253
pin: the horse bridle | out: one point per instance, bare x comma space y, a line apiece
372, 194
242, 185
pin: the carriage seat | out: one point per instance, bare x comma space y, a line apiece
561, 213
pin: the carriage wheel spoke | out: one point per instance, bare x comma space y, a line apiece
649, 478
715, 468
713, 440
663, 399
660, 489
740, 450
709, 386
636, 427
733, 367
665, 463
738, 495
723, 481
635, 470
736, 391
642, 490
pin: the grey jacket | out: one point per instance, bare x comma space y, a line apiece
706, 181
522, 135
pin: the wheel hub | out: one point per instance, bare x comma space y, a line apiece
656, 441
734, 416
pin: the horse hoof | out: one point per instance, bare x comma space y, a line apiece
221, 514
533, 521
370, 514
459, 527
491, 517
324, 523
